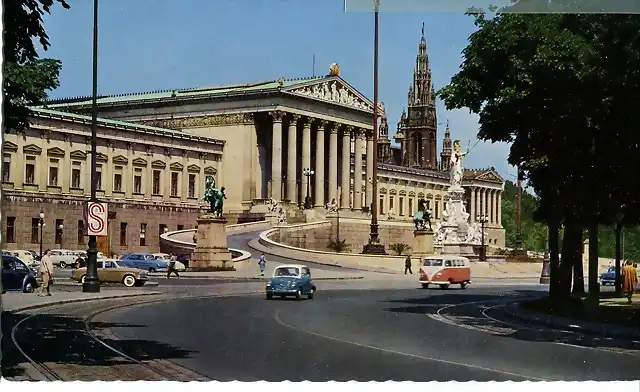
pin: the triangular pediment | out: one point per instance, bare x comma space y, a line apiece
334, 90
139, 162
158, 164
100, 157
490, 176
176, 166
56, 151
210, 170
77, 154
8, 146
193, 168
120, 159
32, 149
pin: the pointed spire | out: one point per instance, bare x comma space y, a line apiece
422, 29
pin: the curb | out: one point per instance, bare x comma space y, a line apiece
254, 278
75, 300
564, 323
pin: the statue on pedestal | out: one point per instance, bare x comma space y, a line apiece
457, 168
282, 217
332, 207
215, 197
422, 217
272, 204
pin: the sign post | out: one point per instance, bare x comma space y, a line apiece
95, 216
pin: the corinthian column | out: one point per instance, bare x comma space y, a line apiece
306, 157
333, 163
319, 187
369, 174
472, 205
346, 166
276, 156
357, 170
499, 207
292, 160
485, 202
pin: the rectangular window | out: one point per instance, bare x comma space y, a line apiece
401, 206
6, 168
123, 233
390, 202
117, 182
98, 177
156, 182
53, 176
174, 184
437, 210
10, 236
137, 183
180, 227
163, 229
59, 229
35, 230
80, 232
381, 205
410, 206
30, 173
75, 177
143, 234
192, 185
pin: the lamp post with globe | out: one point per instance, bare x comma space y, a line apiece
307, 172
483, 219
61, 228
41, 226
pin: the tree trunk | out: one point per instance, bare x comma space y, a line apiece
575, 249
618, 232
566, 262
554, 259
594, 287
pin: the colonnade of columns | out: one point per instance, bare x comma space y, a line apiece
337, 133
488, 202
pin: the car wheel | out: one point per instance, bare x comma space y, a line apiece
444, 286
152, 270
298, 295
310, 293
63, 264
129, 280
269, 296
463, 285
82, 279
29, 288
425, 285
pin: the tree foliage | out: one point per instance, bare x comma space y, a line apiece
27, 78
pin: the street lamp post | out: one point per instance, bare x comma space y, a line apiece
41, 226
374, 246
307, 172
483, 219
91, 283
61, 228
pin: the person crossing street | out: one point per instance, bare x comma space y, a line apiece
172, 267
46, 269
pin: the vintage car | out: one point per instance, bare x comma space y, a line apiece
16, 276
109, 271
291, 280
144, 261
445, 270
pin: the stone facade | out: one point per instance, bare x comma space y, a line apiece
153, 179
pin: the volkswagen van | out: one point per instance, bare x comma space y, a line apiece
445, 270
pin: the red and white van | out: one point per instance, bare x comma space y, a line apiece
445, 270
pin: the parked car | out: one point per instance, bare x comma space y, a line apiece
291, 280
144, 261
63, 258
167, 257
16, 276
24, 255
609, 277
109, 271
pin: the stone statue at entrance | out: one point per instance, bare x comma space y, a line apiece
332, 207
422, 217
215, 197
457, 168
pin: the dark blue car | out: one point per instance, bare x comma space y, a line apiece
16, 276
143, 261
291, 280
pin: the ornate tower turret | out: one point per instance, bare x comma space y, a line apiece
419, 127
384, 144
445, 155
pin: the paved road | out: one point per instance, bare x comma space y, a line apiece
409, 334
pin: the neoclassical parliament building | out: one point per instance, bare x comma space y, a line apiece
156, 149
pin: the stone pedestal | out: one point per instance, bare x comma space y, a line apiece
211, 253
423, 242
272, 217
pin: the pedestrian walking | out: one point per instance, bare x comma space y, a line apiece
261, 263
629, 280
172, 267
195, 236
46, 270
407, 265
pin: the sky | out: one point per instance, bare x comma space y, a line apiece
148, 45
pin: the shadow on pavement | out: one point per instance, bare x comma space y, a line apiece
60, 339
471, 315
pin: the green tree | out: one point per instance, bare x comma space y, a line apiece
27, 78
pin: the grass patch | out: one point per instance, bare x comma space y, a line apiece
577, 308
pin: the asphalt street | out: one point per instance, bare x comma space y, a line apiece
410, 334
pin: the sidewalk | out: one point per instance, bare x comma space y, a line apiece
15, 302
583, 325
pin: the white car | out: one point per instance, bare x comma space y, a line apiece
167, 257
63, 257
24, 255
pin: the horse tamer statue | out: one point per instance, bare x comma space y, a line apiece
215, 197
422, 217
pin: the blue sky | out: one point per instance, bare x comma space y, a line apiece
148, 45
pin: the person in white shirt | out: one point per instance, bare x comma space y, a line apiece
46, 269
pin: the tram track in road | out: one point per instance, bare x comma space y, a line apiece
122, 367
